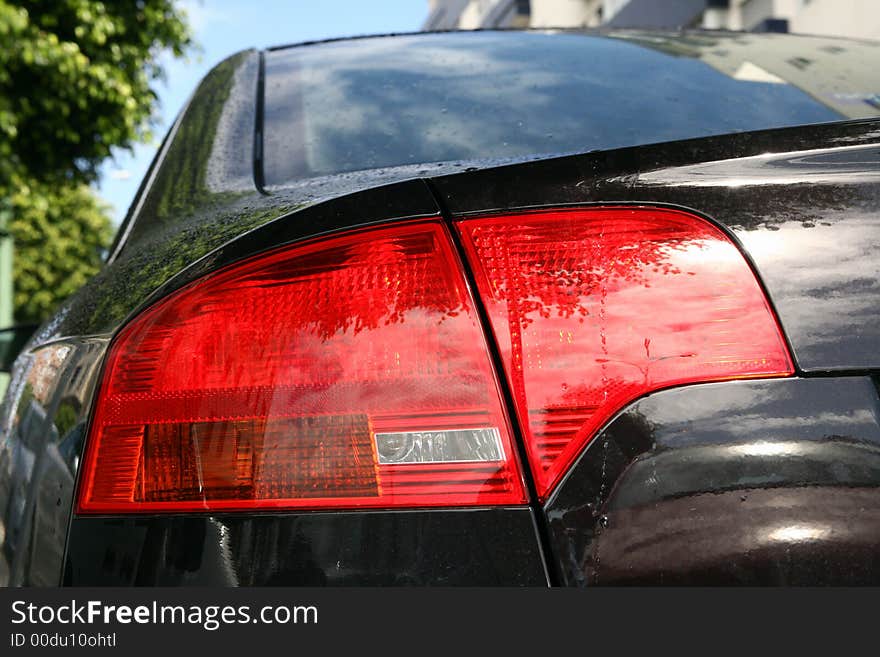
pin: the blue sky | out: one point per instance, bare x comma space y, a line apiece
222, 27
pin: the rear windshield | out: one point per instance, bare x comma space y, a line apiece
389, 101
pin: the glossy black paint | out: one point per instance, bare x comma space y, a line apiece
493, 547
773, 482
802, 201
49, 395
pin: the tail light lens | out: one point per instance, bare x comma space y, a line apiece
593, 308
353, 372
349, 372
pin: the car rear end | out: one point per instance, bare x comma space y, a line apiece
476, 309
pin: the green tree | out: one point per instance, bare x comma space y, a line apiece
59, 236
76, 80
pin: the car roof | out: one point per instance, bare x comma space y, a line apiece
670, 34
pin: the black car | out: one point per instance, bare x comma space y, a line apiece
484, 308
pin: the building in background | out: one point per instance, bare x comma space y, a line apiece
850, 18
474, 14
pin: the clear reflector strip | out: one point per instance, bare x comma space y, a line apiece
450, 446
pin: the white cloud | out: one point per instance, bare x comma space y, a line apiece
200, 16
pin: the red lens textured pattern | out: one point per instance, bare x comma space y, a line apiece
593, 308
265, 384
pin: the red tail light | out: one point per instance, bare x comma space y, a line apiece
349, 372
593, 308
353, 371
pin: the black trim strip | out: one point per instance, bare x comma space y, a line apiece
551, 563
259, 173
